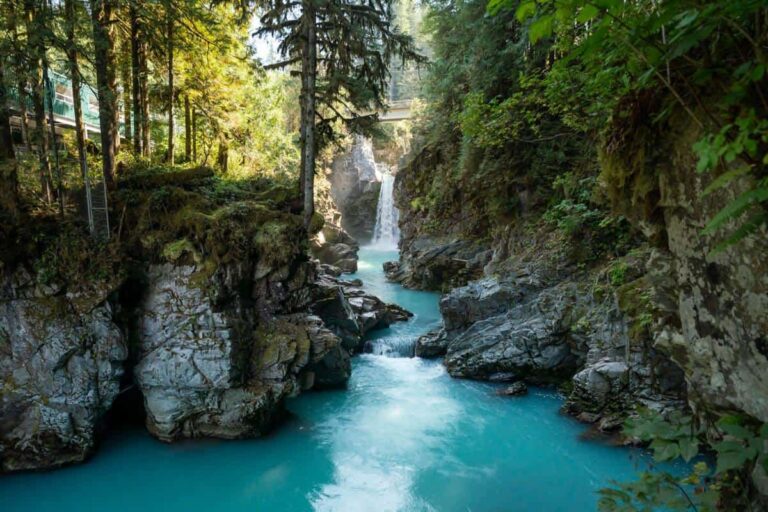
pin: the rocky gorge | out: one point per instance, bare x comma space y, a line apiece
214, 314
670, 322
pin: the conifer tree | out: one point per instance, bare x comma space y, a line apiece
344, 48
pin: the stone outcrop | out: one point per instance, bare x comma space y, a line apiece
350, 312
354, 186
332, 245
544, 326
528, 341
432, 264
220, 351
432, 344
721, 297
515, 389
61, 358
216, 296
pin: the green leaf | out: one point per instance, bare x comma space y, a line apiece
736, 208
687, 18
540, 28
758, 72
736, 431
746, 229
664, 450
725, 178
587, 13
525, 10
689, 448
730, 460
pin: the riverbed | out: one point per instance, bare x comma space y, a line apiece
403, 436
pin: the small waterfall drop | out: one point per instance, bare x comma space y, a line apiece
386, 232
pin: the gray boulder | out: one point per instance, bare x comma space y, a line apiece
61, 361
476, 301
210, 364
350, 312
430, 345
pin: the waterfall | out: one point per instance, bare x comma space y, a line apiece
386, 233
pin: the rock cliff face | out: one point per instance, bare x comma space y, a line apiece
355, 188
226, 315
438, 251
685, 324
542, 326
215, 361
722, 298
61, 358
332, 245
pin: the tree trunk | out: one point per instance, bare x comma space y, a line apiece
36, 51
194, 135
9, 185
21, 73
144, 91
187, 130
74, 71
23, 114
126, 79
309, 77
136, 34
223, 158
102, 12
170, 82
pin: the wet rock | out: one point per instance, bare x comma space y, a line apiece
543, 327
430, 345
215, 362
430, 264
61, 361
518, 388
350, 312
330, 366
527, 342
476, 301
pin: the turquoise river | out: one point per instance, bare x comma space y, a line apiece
404, 436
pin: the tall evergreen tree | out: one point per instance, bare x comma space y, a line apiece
71, 13
9, 196
36, 46
103, 18
345, 48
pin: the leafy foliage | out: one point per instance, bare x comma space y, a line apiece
684, 47
740, 446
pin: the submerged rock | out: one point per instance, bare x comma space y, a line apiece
518, 388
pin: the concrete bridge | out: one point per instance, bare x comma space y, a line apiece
399, 110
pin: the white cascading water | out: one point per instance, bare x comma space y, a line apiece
386, 233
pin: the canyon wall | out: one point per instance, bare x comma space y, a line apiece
212, 310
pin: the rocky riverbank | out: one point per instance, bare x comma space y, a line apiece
213, 311
645, 316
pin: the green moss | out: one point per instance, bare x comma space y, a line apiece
175, 250
634, 299
617, 273
317, 223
